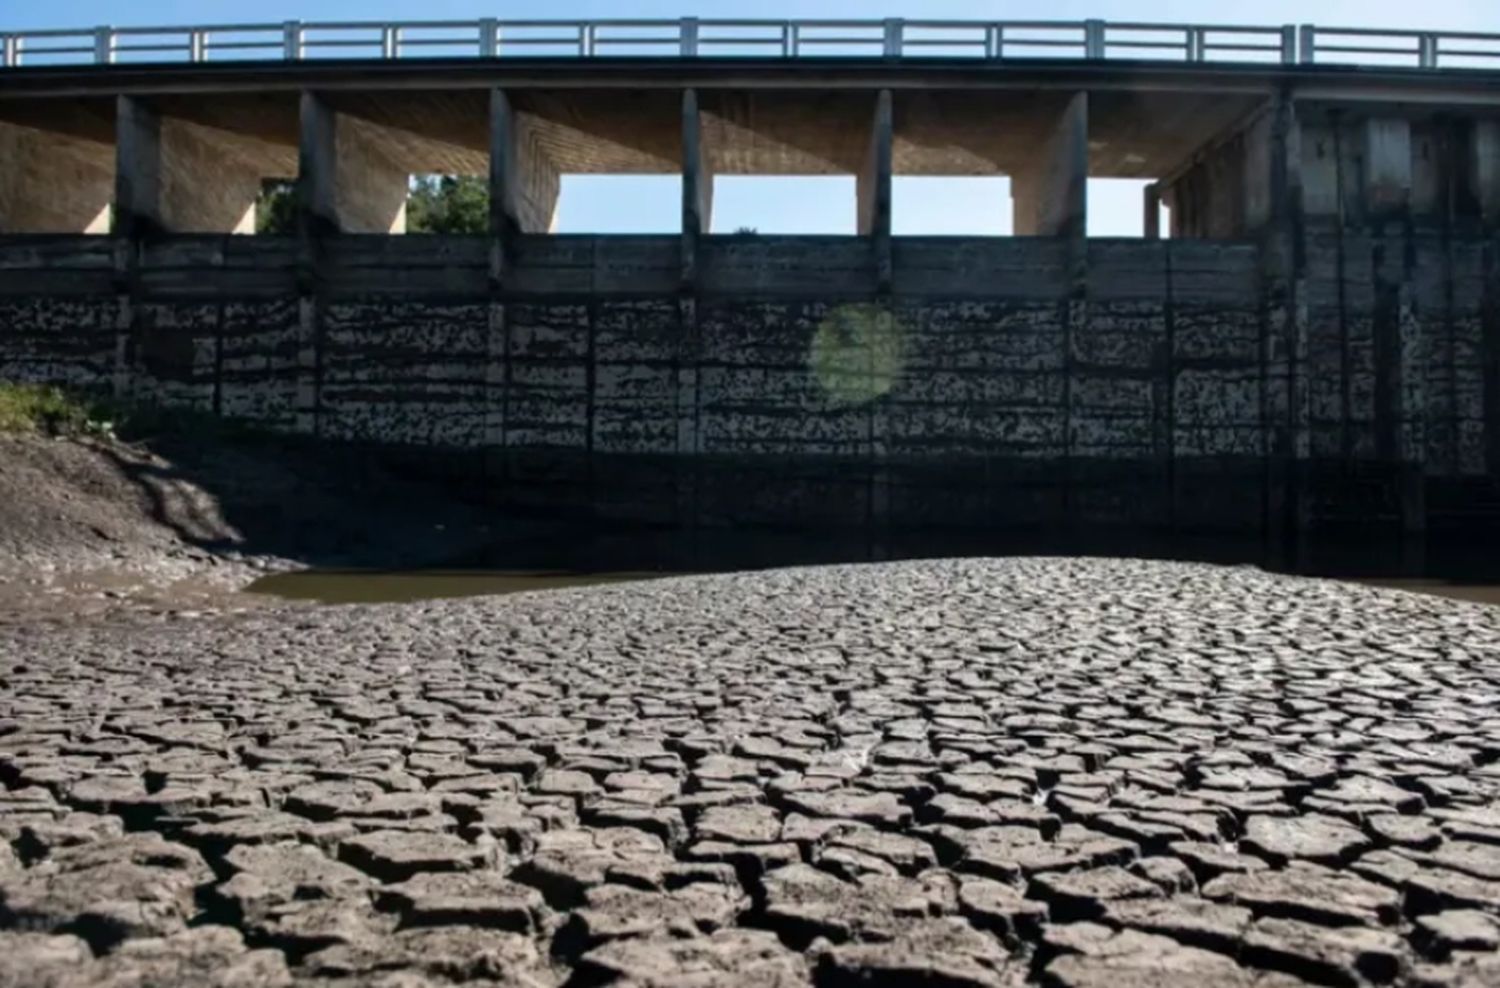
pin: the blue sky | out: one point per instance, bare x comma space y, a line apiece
824, 205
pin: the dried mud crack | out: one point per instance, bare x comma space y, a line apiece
982, 772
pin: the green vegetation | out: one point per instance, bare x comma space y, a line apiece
49, 410
448, 204
437, 204
276, 207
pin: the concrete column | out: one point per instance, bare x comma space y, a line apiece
697, 172
1151, 212
1484, 168
873, 183
697, 185
346, 182
1051, 197
524, 181
1387, 172
176, 175
53, 182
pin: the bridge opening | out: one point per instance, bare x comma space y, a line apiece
629, 203
785, 204
962, 206
1118, 207
448, 204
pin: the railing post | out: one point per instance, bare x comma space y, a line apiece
390, 41
1093, 39
7, 53
1307, 45
688, 37
1288, 44
489, 28
197, 47
995, 41
291, 41
1427, 50
104, 46
893, 32
1195, 44
796, 39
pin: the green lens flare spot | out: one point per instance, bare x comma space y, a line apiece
857, 353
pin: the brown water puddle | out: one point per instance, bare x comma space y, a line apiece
360, 587
382, 587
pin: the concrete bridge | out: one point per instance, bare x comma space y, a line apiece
1315, 339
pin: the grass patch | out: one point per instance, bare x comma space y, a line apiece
49, 410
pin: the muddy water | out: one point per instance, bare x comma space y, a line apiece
1459, 569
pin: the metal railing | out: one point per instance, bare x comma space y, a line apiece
892, 38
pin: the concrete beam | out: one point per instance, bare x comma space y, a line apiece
180, 176
1387, 171
1051, 195
524, 180
53, 182
873, 183
697, 172
346, 183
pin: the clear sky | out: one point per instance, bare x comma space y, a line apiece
814, 205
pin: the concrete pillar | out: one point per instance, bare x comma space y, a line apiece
1051, 197
524, 182
53, 182
697, 173
873, 183
1484, 168
697, 186
346, 182
1151, 212
176, 175
1387, 172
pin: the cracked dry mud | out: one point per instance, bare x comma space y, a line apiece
981, 772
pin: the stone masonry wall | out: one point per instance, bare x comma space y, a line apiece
994, 382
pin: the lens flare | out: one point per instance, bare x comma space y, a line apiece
857, 353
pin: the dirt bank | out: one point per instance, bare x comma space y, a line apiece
91, 524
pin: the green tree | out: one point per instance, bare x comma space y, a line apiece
448, 204
276, 207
